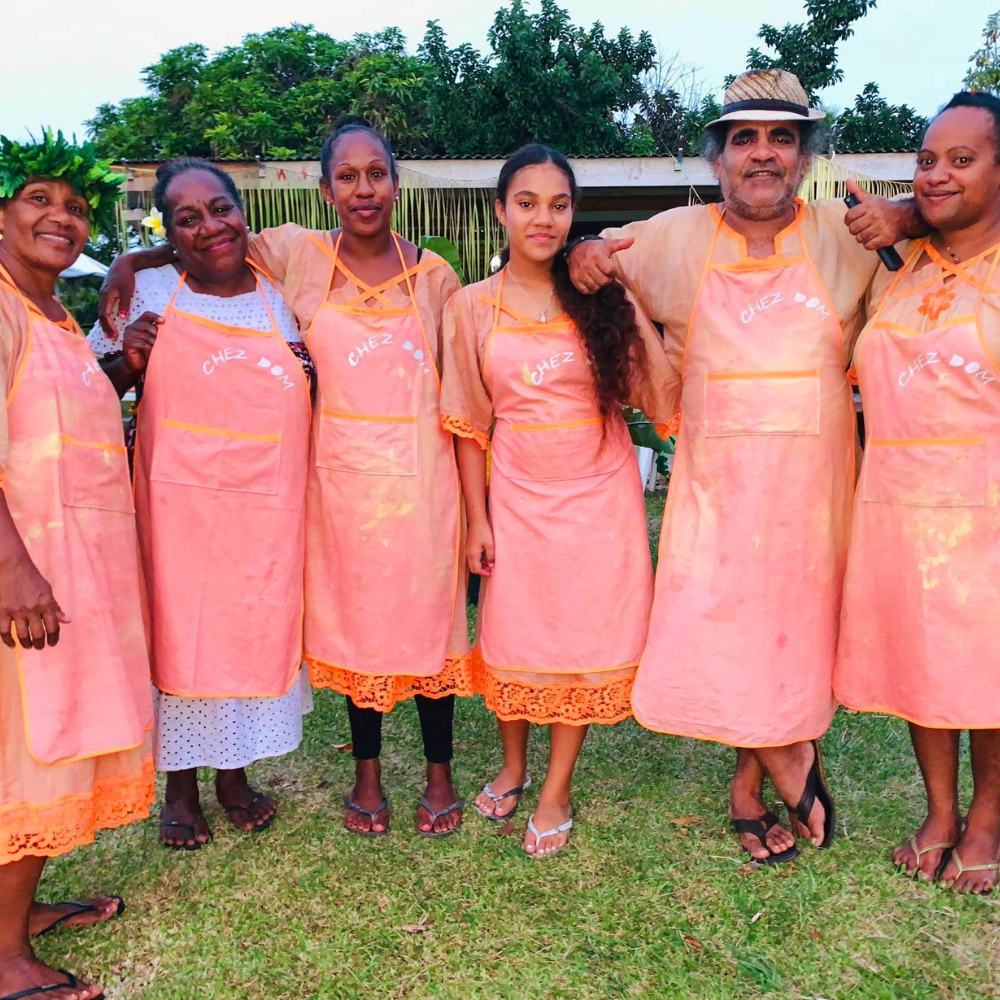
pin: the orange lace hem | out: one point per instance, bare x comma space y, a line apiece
672, 426
382, 692
48, 829
570, 703
463, 428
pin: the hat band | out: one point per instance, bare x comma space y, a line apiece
764, 104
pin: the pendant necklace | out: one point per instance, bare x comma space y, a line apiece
543, 316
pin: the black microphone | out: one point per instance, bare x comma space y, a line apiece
888, 255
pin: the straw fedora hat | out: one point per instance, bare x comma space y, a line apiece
769, 95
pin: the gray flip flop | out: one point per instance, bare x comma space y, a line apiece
350, 804
433, 834
497, 799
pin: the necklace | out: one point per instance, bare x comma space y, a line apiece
543, 315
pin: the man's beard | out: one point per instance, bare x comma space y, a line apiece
766, 213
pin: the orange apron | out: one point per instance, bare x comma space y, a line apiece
222, 449
754, 539
67, 488
382, 560
572, 585
923, 578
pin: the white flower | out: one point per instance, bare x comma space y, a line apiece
154, 222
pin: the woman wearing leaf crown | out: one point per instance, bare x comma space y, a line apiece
385, 580
75, 706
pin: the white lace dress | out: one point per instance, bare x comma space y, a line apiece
218, 732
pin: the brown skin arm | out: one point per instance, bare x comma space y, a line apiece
880, 222
479, 553
592, 264
26, 599
137, 343
119, 283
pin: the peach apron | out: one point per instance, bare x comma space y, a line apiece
67, 488
222, 449
572, 585
923, 578
754, 541
383, 559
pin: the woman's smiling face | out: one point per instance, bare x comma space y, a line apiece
46, 225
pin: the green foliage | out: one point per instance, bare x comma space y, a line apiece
55, 157
446, 249
79, 297
810, 50
874, 124
644, 435
984, 73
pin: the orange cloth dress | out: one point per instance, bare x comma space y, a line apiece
744, 625
75, 719
563, 618
923, 577
385, 579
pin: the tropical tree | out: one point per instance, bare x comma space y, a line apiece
875, 124
984, 73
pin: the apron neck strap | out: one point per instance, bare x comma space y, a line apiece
915, 253
275, 330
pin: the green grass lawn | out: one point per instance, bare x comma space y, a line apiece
653, 898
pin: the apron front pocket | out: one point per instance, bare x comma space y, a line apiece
925, 472
762, 403
215, 457
368, 444
92, 473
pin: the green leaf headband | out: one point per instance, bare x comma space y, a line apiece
54, 158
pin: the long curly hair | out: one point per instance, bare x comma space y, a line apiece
606, 320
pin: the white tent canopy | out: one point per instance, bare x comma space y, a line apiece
85, 267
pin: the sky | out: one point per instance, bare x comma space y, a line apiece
60, 59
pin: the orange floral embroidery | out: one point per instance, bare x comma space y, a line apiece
672, 426
561, 701
48, 829
936, 302
382, 692
463, 428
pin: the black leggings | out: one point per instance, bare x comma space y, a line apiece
436, 718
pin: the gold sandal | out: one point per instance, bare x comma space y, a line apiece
962, 869
919, 852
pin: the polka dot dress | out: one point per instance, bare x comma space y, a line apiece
217, 732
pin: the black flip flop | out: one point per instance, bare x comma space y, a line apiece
350, 804
433, 834
497, 799
816, 789
760, 828
71, 983
174, 824
79, 908
257, 796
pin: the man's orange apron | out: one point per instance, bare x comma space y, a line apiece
572, 585
918, 638
222, 451
67, 487
754, 540
382, 560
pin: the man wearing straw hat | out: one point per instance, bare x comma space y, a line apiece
760, 298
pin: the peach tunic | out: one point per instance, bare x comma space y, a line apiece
753, 545
220, 476
923, 577
563, 618
74, 718
384, 508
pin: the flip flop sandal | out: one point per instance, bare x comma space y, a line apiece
760, 828
539, 837
919, 852
962, 869
433, 834
816, 789
256, 828
350, 804
79, 908
497, 799
175, 824
71, 983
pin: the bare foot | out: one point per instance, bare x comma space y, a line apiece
26, 972
980, 845
508, 778
933, 830
548, 816
247, 809
440, 794
44, 915
183, 825
367, 793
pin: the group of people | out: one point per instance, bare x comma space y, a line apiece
331, 433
